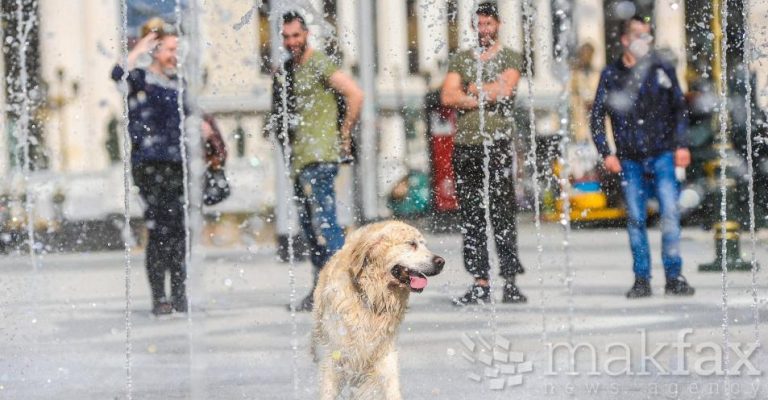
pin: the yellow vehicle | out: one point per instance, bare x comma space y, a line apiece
589, 203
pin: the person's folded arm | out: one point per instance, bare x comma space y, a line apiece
452, 94
501, 89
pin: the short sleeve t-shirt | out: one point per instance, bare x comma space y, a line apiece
498, 120
317, 138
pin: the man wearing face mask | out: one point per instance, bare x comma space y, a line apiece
641, 95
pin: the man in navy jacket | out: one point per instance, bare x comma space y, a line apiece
641, 95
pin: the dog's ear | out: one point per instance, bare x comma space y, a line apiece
362, 253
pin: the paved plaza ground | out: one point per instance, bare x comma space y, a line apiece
62, 329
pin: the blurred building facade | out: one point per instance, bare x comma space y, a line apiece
79, 109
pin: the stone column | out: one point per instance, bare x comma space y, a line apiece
76, 51
392, 148
433, 35
669, 25
231, 64
393, 70
63, 47
511, 14
315, 23
589, 22
392, 39
467, 33
103, 101
347, 31
543, 41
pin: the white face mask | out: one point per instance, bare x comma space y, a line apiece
641, 46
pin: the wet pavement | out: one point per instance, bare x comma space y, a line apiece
63, 329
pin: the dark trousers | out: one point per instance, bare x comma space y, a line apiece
161, 185
468, 168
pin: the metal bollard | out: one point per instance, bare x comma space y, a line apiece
732, 254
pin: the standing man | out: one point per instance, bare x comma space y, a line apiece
499, 72
318, 142
642, 97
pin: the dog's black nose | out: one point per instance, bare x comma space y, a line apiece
438, 262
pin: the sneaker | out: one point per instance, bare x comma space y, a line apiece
641, 288
475, 295
305, 305
679, 287
512, 294
162, 308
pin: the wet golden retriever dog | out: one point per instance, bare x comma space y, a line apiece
360, 300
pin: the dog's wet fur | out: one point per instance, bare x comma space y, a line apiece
359, 303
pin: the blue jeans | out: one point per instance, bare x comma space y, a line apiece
639, 180
316, 197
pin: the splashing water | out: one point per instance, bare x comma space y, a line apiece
23, 28
22, 104
178, 12
563, 34
529, 13
190, 74
278, 55
723, 118
487, 143
291, 257
751, 175
126, 199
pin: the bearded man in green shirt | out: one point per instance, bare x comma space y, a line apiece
480, 85
318, 142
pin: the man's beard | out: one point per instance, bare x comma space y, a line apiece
487, 41
298, 52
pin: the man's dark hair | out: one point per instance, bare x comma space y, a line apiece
488, 10
627, 23
291, 16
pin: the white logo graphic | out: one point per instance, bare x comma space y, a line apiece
497, 365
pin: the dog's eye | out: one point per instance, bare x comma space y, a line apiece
413, 244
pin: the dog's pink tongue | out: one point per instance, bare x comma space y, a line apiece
418, 282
